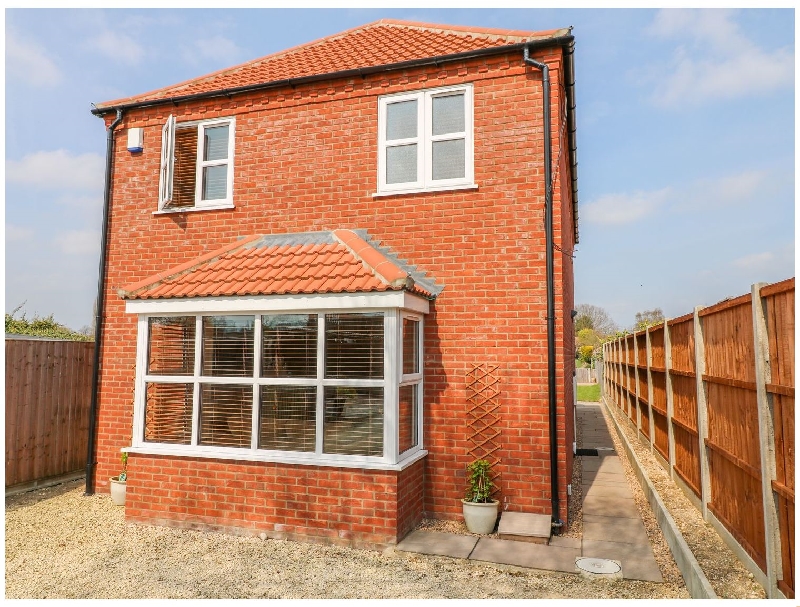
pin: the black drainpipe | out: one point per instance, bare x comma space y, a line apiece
98, 313
557, 523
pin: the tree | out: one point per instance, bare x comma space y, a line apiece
40, 327
648, 318
595, 318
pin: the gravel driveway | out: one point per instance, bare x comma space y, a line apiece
60, 544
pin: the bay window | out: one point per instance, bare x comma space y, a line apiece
333, 387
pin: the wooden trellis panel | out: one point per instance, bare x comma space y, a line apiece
483, 416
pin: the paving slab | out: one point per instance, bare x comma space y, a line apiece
604, 465
438, 543
601, 505
524, 554
619, 490
566, 542
605, 480
614, 529
638, 562
524, 526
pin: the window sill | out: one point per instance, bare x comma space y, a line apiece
352, 461
216, 207
444, 188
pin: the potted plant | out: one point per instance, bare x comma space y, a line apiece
118, 483
480, 510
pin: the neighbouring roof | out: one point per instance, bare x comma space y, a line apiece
338, 261
387, 42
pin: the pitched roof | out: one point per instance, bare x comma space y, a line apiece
383, 43
339, 261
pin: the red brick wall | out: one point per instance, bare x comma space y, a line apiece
336, 505
306, 160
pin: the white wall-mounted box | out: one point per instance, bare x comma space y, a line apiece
135, 139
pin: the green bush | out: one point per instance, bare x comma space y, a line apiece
41, 327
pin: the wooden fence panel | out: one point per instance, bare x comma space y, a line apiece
779, 299
659, 407
724, 470
657, 352
48, 394
734, 446
684, 428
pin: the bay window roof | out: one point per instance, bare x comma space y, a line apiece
337, 261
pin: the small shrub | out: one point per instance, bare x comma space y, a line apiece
480, 485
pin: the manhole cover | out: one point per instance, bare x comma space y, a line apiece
598, 567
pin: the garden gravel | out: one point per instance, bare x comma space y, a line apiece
62, 544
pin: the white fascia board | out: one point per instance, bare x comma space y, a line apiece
278, 303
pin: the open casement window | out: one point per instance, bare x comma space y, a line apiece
426, 140
196, 165
328, 387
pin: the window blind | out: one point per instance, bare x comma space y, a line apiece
288, 418
410, 346
408, 411
184, 178
168, 413
225, 415
171, 345
353, 421
289, 345
354, 346
228, 346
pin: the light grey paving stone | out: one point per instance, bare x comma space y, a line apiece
441, 544
565, 542
592, 475
524, 554
614, 529
603, 505
622, 491
638, 562
525, 526
607, 465
605, 481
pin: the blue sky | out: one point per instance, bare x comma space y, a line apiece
685, 138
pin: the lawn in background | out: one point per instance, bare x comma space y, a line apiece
589, 392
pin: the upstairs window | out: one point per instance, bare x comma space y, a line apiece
196, 165
425, 140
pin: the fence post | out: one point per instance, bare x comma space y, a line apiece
767, 439
670, 403
702, 410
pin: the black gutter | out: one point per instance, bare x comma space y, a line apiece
98, 313
569, 80
351, 73
557, 523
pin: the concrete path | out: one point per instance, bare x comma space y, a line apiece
612, 527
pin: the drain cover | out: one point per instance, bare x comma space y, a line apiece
599, 567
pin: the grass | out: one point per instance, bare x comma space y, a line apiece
589, 392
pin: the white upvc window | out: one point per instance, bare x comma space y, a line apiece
196, 165
326, 387
426, 140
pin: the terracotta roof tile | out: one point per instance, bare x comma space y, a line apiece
259, 266
381, 43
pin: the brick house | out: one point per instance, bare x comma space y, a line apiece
306, 256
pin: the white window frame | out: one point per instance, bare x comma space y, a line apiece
411, 379
167, 170
392, 378
425, 139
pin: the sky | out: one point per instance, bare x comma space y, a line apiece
685, 138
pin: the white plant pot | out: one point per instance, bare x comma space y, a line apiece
117, 491
480, 518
